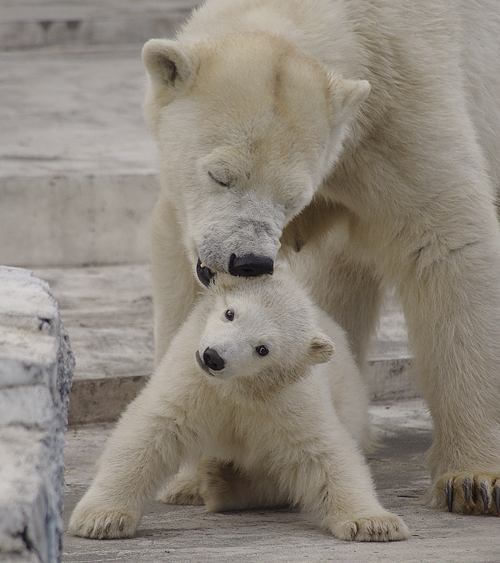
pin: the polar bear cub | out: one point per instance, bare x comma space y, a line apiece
252, 392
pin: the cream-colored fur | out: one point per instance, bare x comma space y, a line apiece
268, 429
364, 134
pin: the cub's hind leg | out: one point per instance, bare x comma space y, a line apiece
224, 486
183, 488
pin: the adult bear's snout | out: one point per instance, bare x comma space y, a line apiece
212, 359
250, 265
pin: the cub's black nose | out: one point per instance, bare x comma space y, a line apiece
212, 359
250, 265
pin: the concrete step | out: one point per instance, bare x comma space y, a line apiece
108, 313
77, 163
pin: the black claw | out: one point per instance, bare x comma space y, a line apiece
496, 496
449, 495
467, 493
485, 497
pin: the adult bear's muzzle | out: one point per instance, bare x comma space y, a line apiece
242, 240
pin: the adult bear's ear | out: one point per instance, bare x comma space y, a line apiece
170, 65
321, 349
345, 96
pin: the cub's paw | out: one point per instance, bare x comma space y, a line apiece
384, 527
102, 522
182, 489
466, 493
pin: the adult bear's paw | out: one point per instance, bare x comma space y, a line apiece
467, 493
383, 527
102, 522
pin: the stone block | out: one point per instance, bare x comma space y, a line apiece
36, 368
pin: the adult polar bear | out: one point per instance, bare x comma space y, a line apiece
269, 135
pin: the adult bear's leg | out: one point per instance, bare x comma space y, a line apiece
452, 308
174, 279
351, 296
426, 219
449, 285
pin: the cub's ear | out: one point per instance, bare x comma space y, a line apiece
169, 64
321, 349
345, 96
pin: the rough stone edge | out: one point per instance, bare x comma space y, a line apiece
37, 532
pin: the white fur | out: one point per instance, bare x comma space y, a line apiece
269, 136
269, 430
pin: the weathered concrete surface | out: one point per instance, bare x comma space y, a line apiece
181, 534
36, 366
77, 219
69, 110
108, 312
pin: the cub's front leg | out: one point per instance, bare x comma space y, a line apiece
143, 449
334, 485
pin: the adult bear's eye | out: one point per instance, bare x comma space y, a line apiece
262, 350
229, 315
223, 181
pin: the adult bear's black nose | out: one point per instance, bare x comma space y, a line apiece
212, 359
250, 265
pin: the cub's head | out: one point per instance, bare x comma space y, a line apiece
261, 329
248, 127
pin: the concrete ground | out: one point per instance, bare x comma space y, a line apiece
77, 185
188, 534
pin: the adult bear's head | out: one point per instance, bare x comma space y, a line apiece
248, 127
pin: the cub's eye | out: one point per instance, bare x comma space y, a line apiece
262, 350
229, 315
